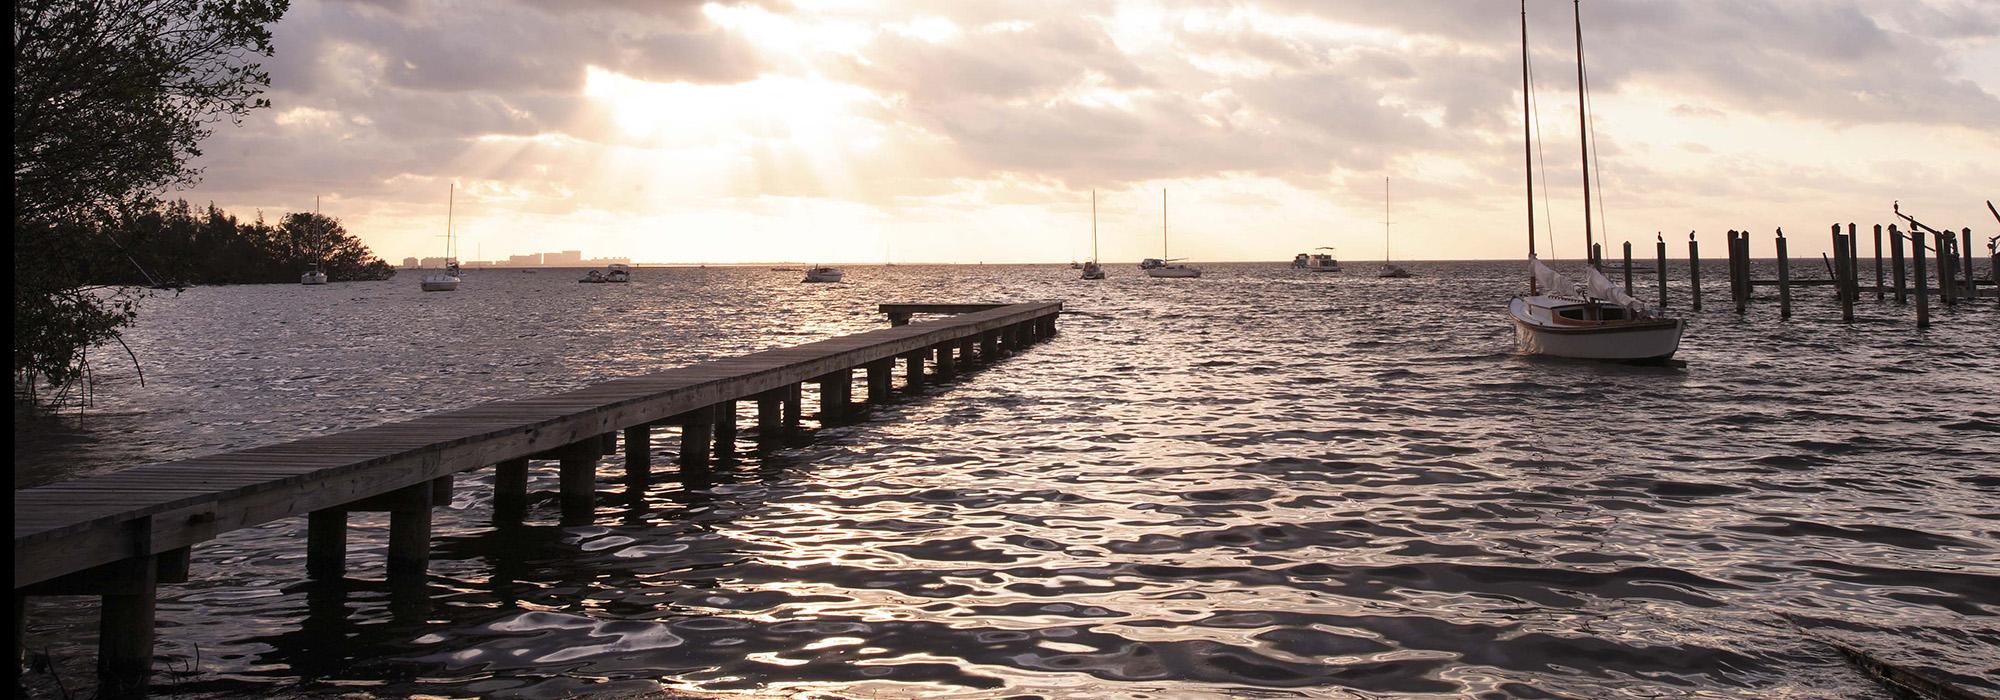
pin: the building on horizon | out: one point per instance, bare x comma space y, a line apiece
529, 260
567, 258
409, 262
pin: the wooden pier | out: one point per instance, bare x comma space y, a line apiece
121, 535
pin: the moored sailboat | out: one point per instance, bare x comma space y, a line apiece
1164, 266
1389, 270
1092, 270
447, 280
1596, 320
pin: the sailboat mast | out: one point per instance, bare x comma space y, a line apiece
1163, 224
1527, 143
451, 199
1093, 225
1583, 132
1385, 219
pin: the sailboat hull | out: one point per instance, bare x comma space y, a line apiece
439, 283
1537, 331
1174, 271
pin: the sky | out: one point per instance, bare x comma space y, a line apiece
834, 131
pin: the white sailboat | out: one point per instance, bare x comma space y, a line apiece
1389, 270
447, 280
1092, 270
1598, 321
1166, 267
314, 276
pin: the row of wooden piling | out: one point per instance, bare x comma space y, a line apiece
1950, 255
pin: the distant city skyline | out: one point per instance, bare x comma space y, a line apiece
867, 132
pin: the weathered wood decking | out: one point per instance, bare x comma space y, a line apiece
120, 534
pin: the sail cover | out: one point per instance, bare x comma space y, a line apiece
1603, 288
1551, 282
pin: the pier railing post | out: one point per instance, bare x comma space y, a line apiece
578, 474
1784, 277
1896, 259
1694, 270
510, 491
1922, 278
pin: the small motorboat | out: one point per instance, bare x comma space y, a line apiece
1152, 263
1390, 271
819, 273
1316, 262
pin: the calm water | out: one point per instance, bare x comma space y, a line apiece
1261, 483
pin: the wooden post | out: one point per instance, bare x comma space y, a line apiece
830, 402
770, 416
1628, 266
639, 453
1965, 249
794, 408
1896, 259
989, 346
1843, 269
878, 380
1922, 277
1660, 266
1879, 292
1597, 255
1942, 244
1784, 278
510, 491
1853, 263
913, 370
578, 472
410, 531
1694, 270
1737, 289
725, 431
697, 434
945, 366
125, 629
899, 319
326, 544
965, 354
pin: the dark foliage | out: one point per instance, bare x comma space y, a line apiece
174, 244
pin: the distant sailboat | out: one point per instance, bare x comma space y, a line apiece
1389, 270
1092, 270
1602, 322
314, 276
1166, 268
447, 280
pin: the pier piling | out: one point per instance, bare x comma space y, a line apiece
1878, 262
639, 453
1628, 265
725, 431
510, 491
1946, 260
878, 380
1739, 288
913, 370
1660, 266
1896, 260
1965, 264
577, 471
1694, 270
697, 435
1784, 277
326, 544
1922, 278
1843, 268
